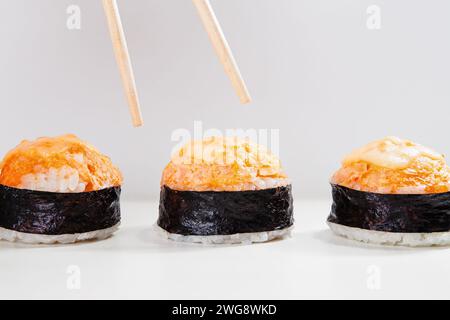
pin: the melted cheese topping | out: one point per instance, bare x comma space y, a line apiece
223, 164
393, 165
391, 152
65, 153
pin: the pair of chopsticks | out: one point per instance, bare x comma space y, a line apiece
216, 36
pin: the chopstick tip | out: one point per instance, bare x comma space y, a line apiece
246, 100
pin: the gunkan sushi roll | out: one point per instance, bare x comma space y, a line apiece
225, 191
392, 192
58, 190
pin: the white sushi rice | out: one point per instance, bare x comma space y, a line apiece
391, 238
63, 180
29, 238
240, 238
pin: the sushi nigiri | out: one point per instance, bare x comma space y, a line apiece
225, 191
392, 192
58, 190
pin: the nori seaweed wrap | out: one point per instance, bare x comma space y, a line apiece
225, 190
393, 192
58, 190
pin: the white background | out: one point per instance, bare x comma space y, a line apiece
136, 263
315, 70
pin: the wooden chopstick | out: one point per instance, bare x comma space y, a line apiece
123, 59
222, 48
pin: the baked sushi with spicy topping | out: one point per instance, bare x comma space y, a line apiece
58, 190
392, 192
225, 191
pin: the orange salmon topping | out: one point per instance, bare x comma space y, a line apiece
223, 164
393, 165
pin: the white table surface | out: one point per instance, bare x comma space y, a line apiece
137, 264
